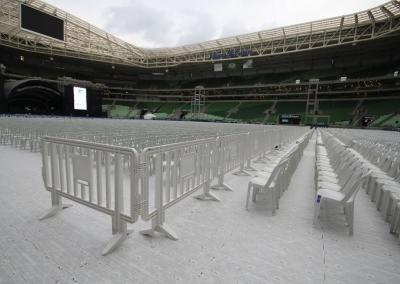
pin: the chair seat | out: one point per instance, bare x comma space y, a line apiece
335, 195
329, 186
259, 181
324, 167
327, 174
328, 179
380, 174
385, 181
330, 172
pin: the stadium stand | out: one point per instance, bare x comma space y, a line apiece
340, 112
252, 111
220, 109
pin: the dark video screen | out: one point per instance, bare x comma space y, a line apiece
42, 23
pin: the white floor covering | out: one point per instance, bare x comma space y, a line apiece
220, 242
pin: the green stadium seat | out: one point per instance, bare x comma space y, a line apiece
252, 111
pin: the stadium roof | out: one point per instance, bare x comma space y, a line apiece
83, 40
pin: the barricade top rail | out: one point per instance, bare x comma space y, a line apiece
91, 145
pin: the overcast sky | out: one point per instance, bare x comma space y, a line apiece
162, 23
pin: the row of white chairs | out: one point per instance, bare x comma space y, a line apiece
382, 158
274, 179
25, 132
339, 174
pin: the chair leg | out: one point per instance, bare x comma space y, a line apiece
317, 207
273, 193
248, 195
385, 203
369, 184
395, 220
378, 198
389, 209
350, 217
255, 191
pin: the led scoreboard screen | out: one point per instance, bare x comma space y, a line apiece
80, 98
41, 23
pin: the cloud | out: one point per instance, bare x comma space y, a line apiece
196, 27
156, 23
156, 27
140, 20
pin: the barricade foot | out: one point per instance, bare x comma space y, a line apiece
163, 229
251, 169
115, 242
242, 173
208, 196
260, 161
53, 211
222, 186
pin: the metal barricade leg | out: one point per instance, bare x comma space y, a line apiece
119, 226
221, 185
241, 171
249, 167
161, 227
243, 153
120, 233
158, 221
207, 194
56, 207
56, 200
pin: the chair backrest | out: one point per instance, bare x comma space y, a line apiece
361, 179
394, 170
276, 172
346, 170
354, 173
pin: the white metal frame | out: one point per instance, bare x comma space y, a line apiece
85, 41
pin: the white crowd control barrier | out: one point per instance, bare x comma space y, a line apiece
101, 177
137, 134
132, 169
180, 170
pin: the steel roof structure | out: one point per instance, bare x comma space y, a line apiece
84, 41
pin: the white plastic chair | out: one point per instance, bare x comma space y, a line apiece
345, 197
267, 183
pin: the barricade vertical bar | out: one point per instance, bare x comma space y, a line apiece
108, 181
61, 167
168, 177
220, 168
207, 194
250, 146
175, 174
45, 162
99, 178
119, 226
56, 202
157, 222
136, 205
91, 177
243, 150
68, 168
